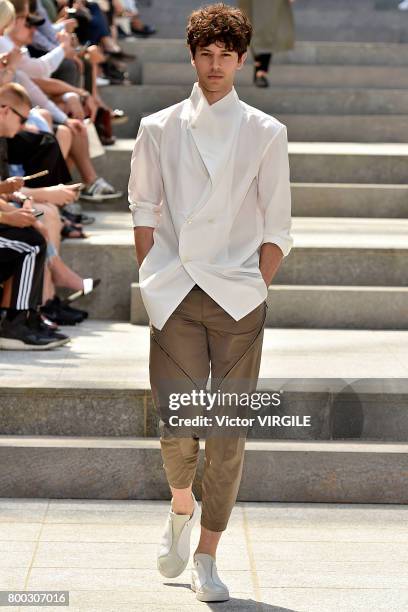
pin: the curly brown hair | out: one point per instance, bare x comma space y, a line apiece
219, 23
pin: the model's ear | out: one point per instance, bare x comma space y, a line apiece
192, 59
242, 59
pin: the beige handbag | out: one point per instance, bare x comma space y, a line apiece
95, 146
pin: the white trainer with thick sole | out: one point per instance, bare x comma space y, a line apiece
174, 550
205, 581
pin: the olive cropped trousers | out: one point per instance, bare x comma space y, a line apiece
200, 337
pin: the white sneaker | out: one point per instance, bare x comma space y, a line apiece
403, 6
174, 550
102, 81
100, 190
205, 580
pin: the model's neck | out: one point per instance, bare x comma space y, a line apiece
214, 96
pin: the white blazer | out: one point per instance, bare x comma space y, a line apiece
213, 180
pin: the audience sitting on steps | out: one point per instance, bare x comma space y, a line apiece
53, 59
30, 264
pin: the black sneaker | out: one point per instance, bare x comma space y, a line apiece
83, 313
16, 335
35, 322
56, 312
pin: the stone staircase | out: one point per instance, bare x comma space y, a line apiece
80, 422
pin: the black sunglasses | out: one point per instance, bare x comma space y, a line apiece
19, 115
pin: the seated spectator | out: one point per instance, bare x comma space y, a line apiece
20, 34
45, 39
22, 258
94, 28
48, 200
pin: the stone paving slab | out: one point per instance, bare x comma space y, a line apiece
312, 557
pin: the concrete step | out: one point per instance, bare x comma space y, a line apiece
327, 251
292, 75
139, 99
321, 307
131, 468
324, 128
363, 409
357, 23
310, 162
305, 52
342, 128
349, 200
322, 200
318, 21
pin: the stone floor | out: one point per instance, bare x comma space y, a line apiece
273, 556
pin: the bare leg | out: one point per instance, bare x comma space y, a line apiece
52, 222
63, 276
208, 542
56, 273
64, 138
6, 297
108, 44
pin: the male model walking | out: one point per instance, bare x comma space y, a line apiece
209, 193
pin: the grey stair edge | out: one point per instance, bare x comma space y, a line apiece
70, 391
276, 89
157, 40
317, 47
358, 186
95, 442
322, 148
367, 386
345, 288
339, 288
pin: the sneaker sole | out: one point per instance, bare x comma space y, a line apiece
10, 344
100, 198
120, 121
206, 597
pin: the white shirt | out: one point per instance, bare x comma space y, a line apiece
213, 180
34, 67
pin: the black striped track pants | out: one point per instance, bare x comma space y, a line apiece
22, 256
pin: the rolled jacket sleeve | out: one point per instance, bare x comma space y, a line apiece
274, 195
44, 66
145, 189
